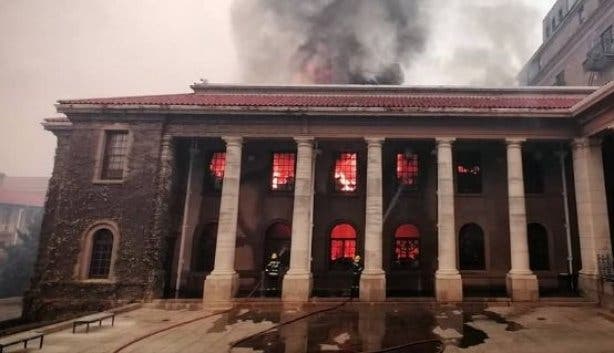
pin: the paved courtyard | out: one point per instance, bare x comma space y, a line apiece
10, 308
351, 328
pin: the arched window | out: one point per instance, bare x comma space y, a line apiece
471, 246
277, 241
538, 247
406, 246
204, 256
102, 251
342, 243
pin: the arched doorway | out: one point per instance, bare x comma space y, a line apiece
406, 253
471, 247
277, 240
342, 246
539, 258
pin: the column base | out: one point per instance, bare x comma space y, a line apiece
372, 287
589, 285
296, 287
221, 287
448, 287
522, 287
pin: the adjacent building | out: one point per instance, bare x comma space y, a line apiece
443, 192
21, 200
578, 46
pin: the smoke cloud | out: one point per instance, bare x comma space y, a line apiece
327, 41
475, 42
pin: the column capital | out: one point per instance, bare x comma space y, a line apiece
583, 142
233, 140
374, 140
514, 141
445, 140
304, 140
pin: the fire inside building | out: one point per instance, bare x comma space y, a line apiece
442, 192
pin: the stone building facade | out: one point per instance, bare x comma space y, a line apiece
578, 46
443, 192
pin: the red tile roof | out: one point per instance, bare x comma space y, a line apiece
495, 100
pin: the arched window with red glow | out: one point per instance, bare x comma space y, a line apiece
342, 242
345, 172
217, 165
277, 240
407, 246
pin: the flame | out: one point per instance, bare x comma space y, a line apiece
346, 183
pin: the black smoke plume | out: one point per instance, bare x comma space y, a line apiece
328, 41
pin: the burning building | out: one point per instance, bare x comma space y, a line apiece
443, 192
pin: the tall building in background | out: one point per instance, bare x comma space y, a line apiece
21, 200
578, 47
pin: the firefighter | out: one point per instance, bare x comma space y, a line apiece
356, 271
272, 271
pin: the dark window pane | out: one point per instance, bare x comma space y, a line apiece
102, 248
533, 174
468, 172
471, 245
407, 169
115, 151
216, 170
345, 172
282, 176
539, 259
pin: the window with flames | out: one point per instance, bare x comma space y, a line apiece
342, 242
346, 172
407, 169
282, 175
217, 165
407, 246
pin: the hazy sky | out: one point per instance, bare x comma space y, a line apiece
55, 49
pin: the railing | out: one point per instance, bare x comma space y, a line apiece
606, 268
600, 57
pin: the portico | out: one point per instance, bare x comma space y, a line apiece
443, 192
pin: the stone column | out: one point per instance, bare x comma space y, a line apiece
191, 215
298, 281
223, 282
521, 282
448, 282
592, 211
373, 278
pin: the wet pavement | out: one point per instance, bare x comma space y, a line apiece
354, 327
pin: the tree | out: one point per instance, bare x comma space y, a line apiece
19, 261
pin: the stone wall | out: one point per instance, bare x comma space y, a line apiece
75, 203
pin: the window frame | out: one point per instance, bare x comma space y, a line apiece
532, 168
546, 235
335, 264
271, 170
416, 185
101, 154
485, 249
333, 180
82, 270
409, 265
210, 184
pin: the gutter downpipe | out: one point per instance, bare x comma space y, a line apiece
562, 155
184, 223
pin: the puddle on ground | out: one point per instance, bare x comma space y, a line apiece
360, 328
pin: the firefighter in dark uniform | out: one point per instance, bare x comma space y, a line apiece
272, 272
356, 268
